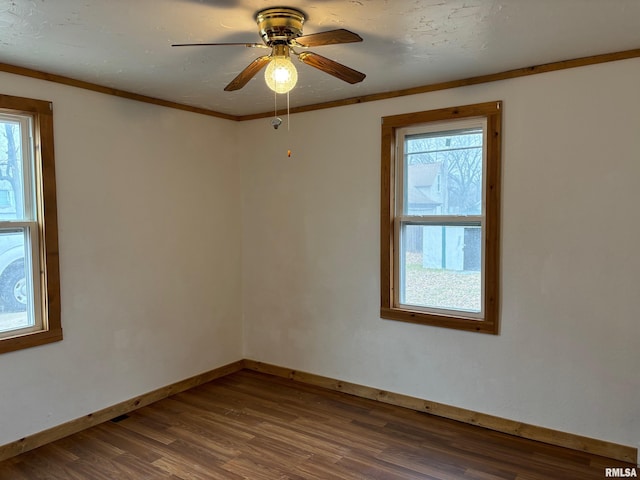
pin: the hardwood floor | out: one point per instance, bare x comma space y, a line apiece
249, 425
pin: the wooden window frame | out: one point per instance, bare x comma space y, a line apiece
48, 301
492, 112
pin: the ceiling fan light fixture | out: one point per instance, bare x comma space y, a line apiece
281, 30
281, 75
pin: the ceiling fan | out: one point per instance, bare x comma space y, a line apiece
281, 31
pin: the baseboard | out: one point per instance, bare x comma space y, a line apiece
60, 431
576, 442
554, 437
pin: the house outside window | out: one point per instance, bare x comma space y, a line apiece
440, 217
7, 198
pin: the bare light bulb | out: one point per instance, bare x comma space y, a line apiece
281, 75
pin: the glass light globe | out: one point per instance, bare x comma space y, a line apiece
281, 75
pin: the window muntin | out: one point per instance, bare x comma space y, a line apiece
29, 278
440, 217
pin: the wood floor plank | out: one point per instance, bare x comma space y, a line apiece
157, 434
135, 444
134, 467
254, 426
223, 448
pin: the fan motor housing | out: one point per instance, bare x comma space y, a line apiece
279, 25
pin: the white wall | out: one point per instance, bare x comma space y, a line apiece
150, 255
149, 233
567, 357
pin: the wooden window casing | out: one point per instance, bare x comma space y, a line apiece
389, 237
48, 280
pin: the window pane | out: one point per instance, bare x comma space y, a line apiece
14, 283
444, 173
441, 267
12, 192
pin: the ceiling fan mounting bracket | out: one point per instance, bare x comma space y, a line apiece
279, 25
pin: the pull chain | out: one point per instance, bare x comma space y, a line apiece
276, 120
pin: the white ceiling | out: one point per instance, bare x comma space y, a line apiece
125, 44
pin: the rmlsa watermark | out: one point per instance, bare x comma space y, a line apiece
621, 472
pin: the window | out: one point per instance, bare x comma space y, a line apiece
29, 278
440, 217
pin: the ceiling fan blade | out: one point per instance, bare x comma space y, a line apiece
248, 73
330, 37
251, 45
331, 67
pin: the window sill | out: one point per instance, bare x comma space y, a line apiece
34, 339
445, 321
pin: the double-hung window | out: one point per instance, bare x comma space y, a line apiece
440, 217
29, 278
